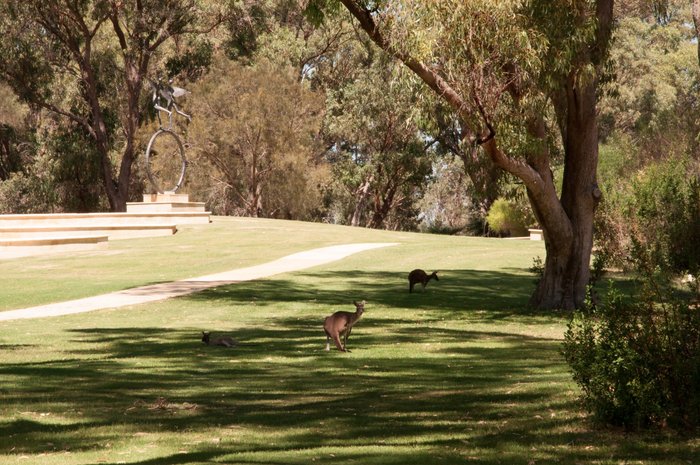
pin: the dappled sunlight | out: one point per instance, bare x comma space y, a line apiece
463, 372
453, 392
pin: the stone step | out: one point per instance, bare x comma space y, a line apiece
114, 231
155, 207
104, 219
40, 245
166, 197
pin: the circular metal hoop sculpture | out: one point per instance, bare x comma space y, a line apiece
165, 161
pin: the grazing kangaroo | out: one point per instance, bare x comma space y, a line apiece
224, 341
340, 324
420, 276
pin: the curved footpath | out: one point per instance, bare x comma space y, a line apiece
138, 295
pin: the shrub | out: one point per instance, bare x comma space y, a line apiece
507, 218
33, 191
667, 207
657, 215
638, 363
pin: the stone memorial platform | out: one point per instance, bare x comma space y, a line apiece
157, 215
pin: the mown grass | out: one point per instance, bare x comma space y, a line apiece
463, 373
226, 243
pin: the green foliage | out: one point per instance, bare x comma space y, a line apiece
24, 63
63, 176
380, 159
193, 62
506, 217
247, 21
285, 32
31, 191
317, 11
481, 49
653, 97
638, 363
16, 138
567, 28
667, 205
537, 267
76, 171
446, 206
653, 221
618, 159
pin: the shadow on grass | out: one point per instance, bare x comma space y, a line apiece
472, 395
413, 391
458, 290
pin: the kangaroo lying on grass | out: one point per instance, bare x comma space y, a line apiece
420, 276
340, 324
223, 341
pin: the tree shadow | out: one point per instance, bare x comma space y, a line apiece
462, 395
415, 389
500, 293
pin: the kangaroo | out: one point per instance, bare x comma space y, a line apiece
224, 341
420, 276
340, 324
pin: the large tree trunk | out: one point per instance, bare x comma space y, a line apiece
116, 190
696, 20
567, 222
132, 120
567, 266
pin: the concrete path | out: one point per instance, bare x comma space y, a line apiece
294, 262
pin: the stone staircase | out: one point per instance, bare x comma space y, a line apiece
157, 215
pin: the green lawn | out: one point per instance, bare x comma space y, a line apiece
463, 373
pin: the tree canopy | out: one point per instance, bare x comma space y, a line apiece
89, 62
363, 110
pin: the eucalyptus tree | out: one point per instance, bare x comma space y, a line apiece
523, 77
279, 31
653, 99
257, 129
380, 157
88, 61
485, 179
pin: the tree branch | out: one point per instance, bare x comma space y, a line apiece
444, 90
114, 17
72, 116
430, 77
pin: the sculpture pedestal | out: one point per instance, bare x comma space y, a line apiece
165, 203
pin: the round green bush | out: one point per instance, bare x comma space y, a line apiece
507, 218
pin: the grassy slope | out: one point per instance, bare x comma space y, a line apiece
195, 250
462, 373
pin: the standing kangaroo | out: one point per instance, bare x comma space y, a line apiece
420, 276
340, 324
224, 341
